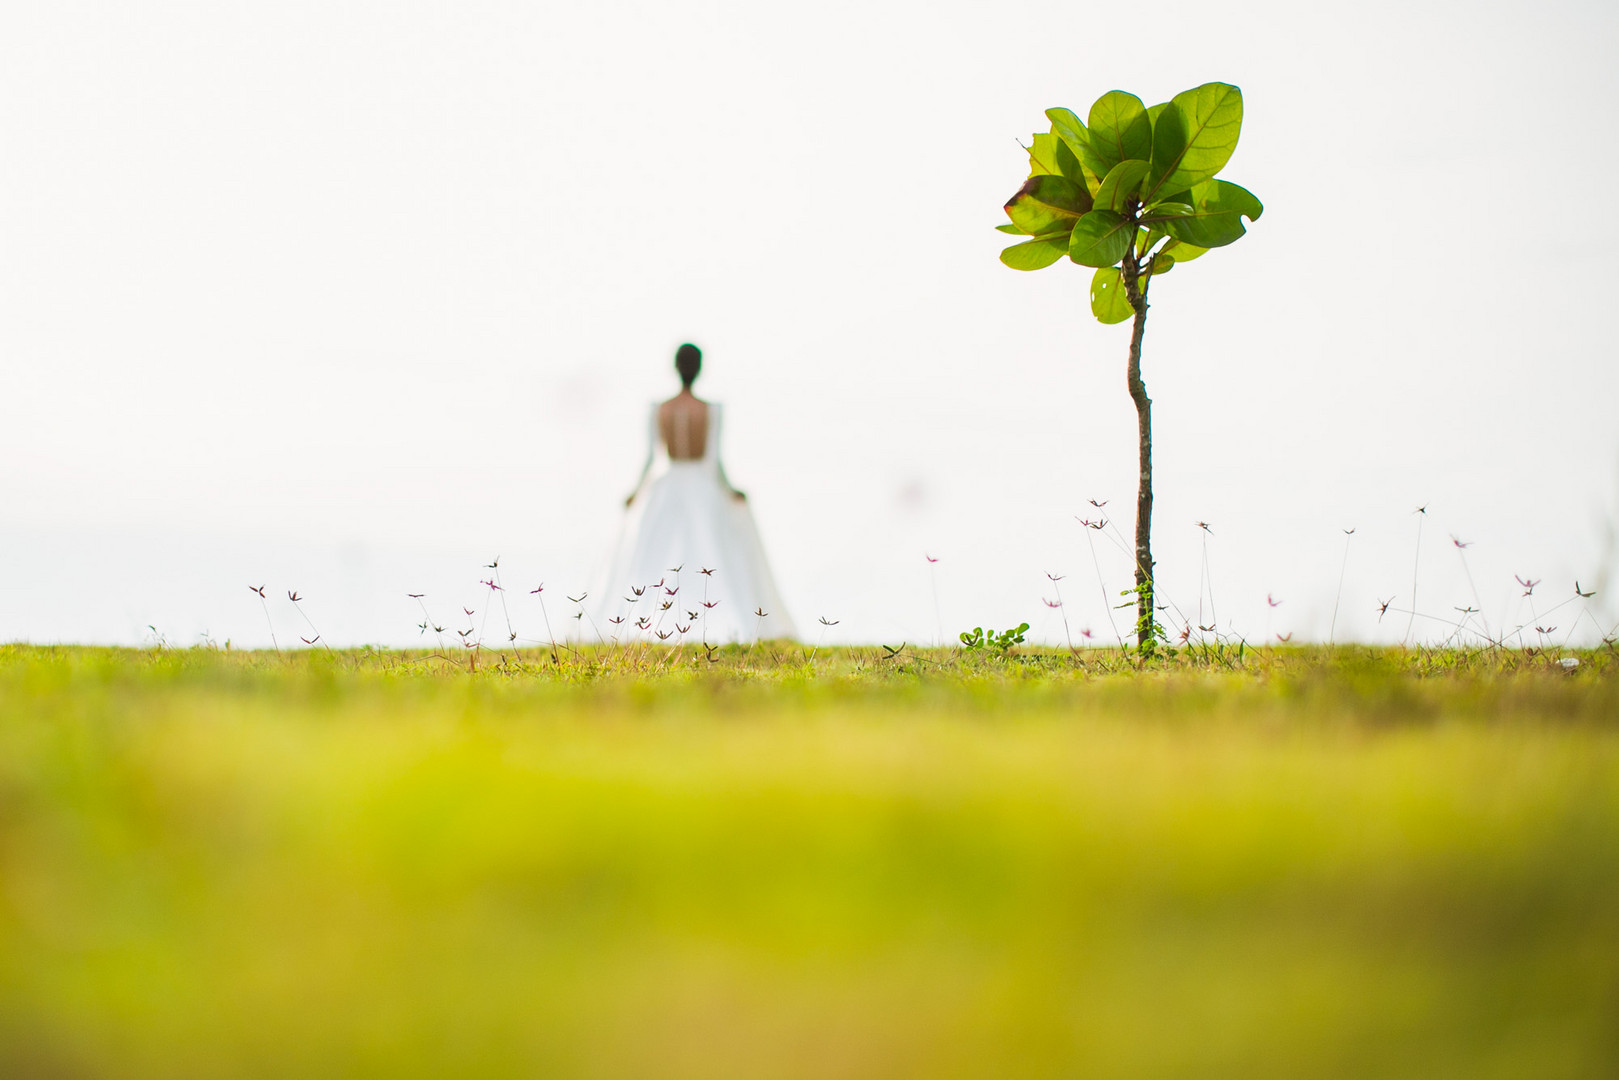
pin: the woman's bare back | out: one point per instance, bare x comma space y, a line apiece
683, 426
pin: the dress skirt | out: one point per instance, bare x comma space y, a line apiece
689, 566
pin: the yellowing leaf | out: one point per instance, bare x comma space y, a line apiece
1047, 204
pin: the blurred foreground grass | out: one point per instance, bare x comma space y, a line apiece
1351, 864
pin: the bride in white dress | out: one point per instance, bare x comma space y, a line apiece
689, 565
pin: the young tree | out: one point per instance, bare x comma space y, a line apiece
1131, 192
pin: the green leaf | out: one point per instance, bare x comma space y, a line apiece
1068, 165
1194, 138
1215, 221
1100, 238
1182, 197
1043, 156
1050, 156
1122, 183
1069, 128
1071, 131
1108, 302
1119, 130
1213, 114
1168, 146
1163, 212
1036, 254
1046, 204
1011, 227
1183, 252
1161, 263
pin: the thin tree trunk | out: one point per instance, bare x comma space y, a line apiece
1145, 613
1138, 394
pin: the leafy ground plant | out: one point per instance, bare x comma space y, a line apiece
979, 638
1131, 191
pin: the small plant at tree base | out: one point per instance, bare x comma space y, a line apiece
1131, 193
979, 638
1150, 633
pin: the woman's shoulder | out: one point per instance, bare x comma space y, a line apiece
685, 403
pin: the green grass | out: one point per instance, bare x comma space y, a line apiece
1297, 864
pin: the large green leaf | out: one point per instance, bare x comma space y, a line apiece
1168, 146
1122, 183
1100, 238
1194, 137
1010, 227
1215, 220
1036, 254
1119, 130
1108, 301
1213, 114
1047, 204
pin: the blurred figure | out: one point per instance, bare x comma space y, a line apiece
689, 539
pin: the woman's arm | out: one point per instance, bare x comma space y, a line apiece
714, 441
735, 494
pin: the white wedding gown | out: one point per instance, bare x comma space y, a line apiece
688, 541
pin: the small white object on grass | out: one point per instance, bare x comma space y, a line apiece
1569, 662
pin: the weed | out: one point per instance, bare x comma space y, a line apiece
1003, 642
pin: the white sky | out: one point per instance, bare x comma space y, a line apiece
350, 298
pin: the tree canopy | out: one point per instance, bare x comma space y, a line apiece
1129, 172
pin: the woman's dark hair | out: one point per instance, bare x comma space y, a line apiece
688, 361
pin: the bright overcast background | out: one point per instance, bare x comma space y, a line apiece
351, 298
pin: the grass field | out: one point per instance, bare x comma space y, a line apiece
1301, 864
